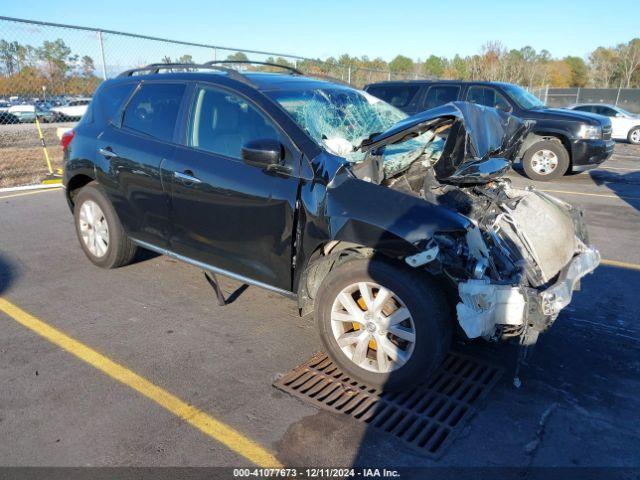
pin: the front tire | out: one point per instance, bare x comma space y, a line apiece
545, 160
634, 136
99, 230
383, 325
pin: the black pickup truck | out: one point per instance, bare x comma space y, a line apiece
561, 140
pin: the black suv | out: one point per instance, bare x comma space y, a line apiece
394, 230
560, 141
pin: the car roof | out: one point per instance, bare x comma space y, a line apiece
429, 82
262, 81
592, 104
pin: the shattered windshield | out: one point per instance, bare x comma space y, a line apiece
339, 119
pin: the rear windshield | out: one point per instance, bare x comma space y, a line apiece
399, 96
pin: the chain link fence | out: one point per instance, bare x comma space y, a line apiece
627, 98
48, 73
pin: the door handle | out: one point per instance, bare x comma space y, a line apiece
187, 177
107, 152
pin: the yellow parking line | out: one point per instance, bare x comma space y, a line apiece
30, 193
569, 192
215, 429
616, 263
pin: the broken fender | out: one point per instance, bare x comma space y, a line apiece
390, 221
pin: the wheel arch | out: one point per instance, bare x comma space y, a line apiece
74, 185
329, 255
538, 136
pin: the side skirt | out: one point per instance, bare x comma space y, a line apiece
211, 268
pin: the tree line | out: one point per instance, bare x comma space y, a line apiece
25, 69
605, 67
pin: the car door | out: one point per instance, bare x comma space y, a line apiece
226, 213
404, 96
439, 94
618, 126
489, 97
130, 157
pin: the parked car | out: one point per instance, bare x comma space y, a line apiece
29, 112
625, 125
73, 110
4, 105
560, 141
8, 118
332, 197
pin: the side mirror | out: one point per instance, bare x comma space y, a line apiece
263, 153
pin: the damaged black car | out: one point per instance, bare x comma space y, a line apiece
397, 232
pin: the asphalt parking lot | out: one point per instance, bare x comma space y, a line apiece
159, 320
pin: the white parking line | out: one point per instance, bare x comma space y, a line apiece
30, 193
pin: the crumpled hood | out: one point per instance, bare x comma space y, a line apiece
475, 135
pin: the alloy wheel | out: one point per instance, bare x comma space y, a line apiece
94, 229
544, 162
373, 327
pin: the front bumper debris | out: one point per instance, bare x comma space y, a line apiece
485, 305
558, 296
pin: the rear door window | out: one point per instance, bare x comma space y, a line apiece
400, 96
488, 97
440, 94
153, 110
606, 111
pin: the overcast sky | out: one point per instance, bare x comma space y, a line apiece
330, 27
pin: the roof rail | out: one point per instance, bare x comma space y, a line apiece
294, 71
154, 68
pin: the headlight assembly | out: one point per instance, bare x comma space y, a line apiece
590, 132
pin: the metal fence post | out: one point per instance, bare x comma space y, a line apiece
578, 95
389, 75
546, 94
215, 54
349, 75
104, 65
618, 95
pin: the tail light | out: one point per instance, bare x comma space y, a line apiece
66, 139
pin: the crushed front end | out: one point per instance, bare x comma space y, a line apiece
519, 264
525, 252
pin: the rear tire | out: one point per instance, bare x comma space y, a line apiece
428, 323
545, 160
99, 230
634, 136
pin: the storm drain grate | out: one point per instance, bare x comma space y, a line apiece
428, 417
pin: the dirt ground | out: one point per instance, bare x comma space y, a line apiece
22, 160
